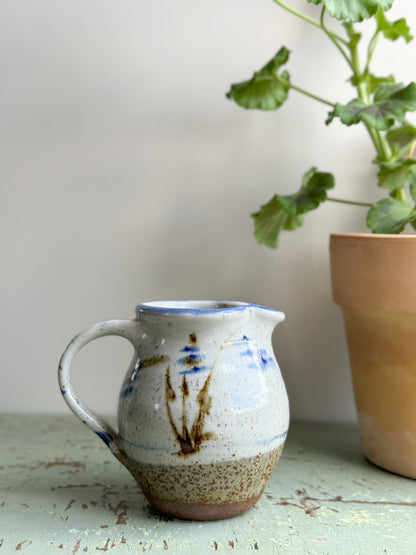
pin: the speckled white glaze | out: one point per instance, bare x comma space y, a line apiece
203, 387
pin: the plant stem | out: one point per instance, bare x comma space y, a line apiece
411, 150
400, 194
371, 47
307, 19
297, 13
335, 39
311, 95
355, 203
380, 143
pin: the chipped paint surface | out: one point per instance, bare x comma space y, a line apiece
62, 492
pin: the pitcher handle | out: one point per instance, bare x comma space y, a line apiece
124, 328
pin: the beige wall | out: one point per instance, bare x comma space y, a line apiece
127, 176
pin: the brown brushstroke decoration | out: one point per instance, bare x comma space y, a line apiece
190, 441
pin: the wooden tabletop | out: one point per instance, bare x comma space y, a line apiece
62, 492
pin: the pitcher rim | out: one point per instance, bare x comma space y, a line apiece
197, 307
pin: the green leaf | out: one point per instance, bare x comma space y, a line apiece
390, 104
395, 175
285, 211
389, 216
395, 30
402, 136
312, 193
271, 220
266, 90
371, 80
355, 10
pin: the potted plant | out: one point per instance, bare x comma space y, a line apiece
373, 274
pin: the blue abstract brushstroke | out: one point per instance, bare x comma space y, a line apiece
194, 370
127, 387
128, 391
190, 349
106, 437
265, 359
193, 361
258, 359
189, 359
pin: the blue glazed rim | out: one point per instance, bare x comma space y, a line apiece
195, 307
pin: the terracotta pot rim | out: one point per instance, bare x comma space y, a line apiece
374, 272
373, 236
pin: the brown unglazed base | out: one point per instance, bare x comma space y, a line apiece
205, 491
201, 511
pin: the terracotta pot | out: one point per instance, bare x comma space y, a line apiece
374, 281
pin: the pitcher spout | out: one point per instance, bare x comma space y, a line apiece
269, 315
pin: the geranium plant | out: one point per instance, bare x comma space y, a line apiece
380, 104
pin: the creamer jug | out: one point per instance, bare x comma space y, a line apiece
203, 411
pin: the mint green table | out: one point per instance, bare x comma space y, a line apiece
62, 492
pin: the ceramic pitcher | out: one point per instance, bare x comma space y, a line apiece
203, 411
